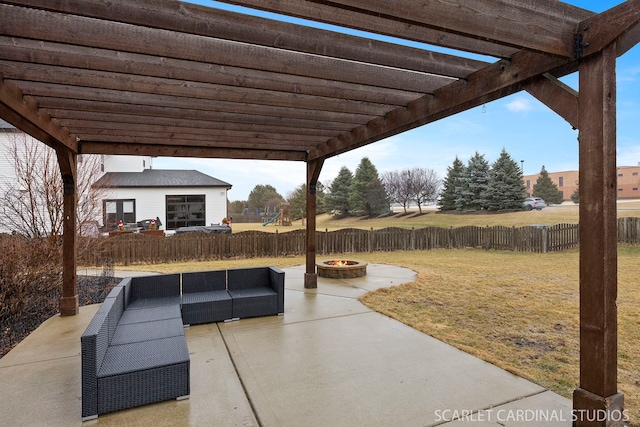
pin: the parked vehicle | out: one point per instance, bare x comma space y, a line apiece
531, 203
209, 229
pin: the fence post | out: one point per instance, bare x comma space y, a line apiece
545, 239
450, 234
413, 238
370, 242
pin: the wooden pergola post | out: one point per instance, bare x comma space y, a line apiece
68, 162
596, 401
313, 172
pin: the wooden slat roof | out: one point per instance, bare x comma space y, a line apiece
166, 78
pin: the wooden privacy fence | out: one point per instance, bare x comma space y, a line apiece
138, 248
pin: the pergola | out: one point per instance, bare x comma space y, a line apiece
165, 78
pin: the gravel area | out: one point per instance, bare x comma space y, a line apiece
91, 290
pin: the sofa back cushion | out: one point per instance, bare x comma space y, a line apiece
156, 286
247, 278
204, 281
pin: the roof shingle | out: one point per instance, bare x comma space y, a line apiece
159, 178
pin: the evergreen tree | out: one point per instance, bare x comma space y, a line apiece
447, 200
265, 198
506, 188
575, 197
297, 200
546, 189
472, 191
337, 200
367, 193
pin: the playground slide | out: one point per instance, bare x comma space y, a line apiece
271, 220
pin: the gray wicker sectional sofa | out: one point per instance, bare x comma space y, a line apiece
134, 351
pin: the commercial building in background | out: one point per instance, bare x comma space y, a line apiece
567, 182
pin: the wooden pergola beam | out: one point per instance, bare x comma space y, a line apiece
313, 173
492, 82
49, 26
217, 23
599, 31
556, 95
24, 114
169, 150
155, 140
535, 28
186, 90
597, 397
127, 113
74, 57
68, 163
488, 27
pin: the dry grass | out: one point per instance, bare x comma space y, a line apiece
517, 311
561, 214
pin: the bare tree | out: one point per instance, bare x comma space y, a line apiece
398, 187
32, 199
424, 185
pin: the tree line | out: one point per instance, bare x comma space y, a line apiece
496, 187
477, 185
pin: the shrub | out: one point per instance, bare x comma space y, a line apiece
30, 280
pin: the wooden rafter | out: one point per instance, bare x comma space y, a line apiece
600, 31
463, 25
24, 114
184, 150
490, 83
136, 39
215, 23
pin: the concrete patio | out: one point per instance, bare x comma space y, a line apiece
329, 361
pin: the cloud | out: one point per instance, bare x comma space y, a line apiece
628, 156
520, 105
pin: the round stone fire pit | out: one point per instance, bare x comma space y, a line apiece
341, 269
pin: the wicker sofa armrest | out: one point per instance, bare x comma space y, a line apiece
276, 281
94, 343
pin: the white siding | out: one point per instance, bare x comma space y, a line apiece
7, 168
151, 203
126, 163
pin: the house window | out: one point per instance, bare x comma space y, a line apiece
116, 210
620, 174
185, 211
561, 181
635, 174
635, 188
528, 184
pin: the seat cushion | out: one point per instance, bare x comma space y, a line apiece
142, 355
147, 331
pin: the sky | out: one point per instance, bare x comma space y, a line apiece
526, 128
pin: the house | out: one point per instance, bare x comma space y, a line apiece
179, 198
130, 189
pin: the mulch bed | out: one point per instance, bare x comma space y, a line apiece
91, 290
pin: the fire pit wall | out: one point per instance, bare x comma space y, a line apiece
341, 269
